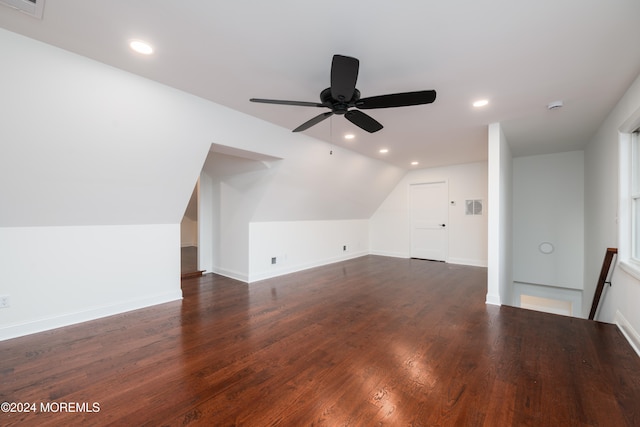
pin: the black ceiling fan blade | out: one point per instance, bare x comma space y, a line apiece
397, 100
344, 74
363, 121
317, 119
280, 102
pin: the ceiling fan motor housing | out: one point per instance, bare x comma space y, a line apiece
338, 106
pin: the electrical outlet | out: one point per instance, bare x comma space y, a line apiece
5, 301
273, 260
344, 248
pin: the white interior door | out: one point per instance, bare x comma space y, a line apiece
429, 218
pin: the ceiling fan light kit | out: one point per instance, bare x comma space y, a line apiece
342, 98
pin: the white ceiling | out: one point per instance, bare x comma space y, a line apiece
521, 55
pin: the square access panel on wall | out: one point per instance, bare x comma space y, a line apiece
30, 7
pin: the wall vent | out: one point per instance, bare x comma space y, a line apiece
30, 7
473, 207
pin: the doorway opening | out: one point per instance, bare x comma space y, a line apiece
189, 238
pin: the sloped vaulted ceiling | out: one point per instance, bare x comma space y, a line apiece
87, 144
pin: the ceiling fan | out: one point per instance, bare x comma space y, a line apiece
343, 95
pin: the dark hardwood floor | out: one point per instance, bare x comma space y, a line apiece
372, 341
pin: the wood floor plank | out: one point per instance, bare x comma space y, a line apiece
370, 341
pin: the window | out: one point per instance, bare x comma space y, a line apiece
629, 195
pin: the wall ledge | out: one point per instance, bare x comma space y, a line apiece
630, 268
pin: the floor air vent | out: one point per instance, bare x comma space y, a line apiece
30, 7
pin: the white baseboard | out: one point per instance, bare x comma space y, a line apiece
628, 331
41, 325
242, 277
304, 266
493, 299
460, 261
281, 271
288, 269
391, 254
471, 262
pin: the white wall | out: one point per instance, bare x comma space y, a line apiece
57, 276
208, 226
239, 197
307, 194
311, 184
548, 207
620, 303
500, 258
389, 226
87, 144
298, 245
96, 167
84, 144
188, 232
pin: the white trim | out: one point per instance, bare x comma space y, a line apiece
625, 138
404, 255
236, 275
631, 124
631, 268
41, 325
458, 261
627, 330
470, 262
305, 266
493, 300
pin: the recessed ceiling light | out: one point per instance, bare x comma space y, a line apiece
481, 103
415, 163
555, 104
349, 136
141, 47
384, 150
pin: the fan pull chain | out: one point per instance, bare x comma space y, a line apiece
331, 135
